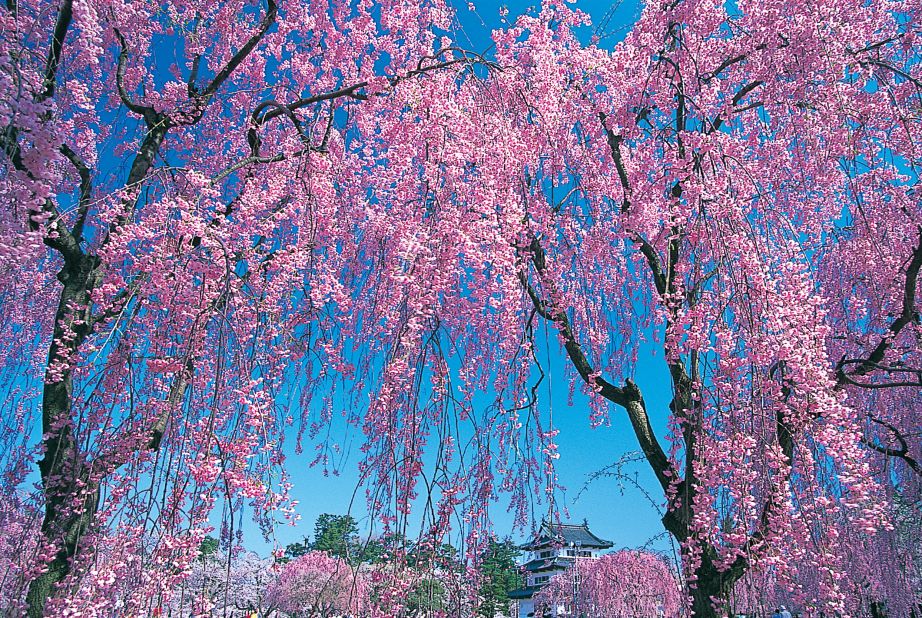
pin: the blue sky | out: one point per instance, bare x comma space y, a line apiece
611, 19
617, 511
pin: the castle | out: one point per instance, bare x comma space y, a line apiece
554, 549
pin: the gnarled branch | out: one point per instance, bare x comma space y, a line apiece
628, 397
907, 315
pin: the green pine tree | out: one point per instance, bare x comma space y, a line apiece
500, 575
338, 536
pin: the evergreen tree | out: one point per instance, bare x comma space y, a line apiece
208, 547
500, 575
296, 550
425, 597
337, 535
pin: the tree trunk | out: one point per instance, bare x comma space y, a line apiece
63, 526
711, 584
71, 495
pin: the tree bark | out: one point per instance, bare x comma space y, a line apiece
71, 495
711, 584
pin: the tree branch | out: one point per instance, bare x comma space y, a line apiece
902, 452
61, 26
628, 397
153, 437
86, 189
614, 144
257, 159
907, 315
352, 91
719, 120
896, 70
243, 52
773, 502
137, 108
59, 238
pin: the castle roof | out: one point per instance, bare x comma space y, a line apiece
557, 563
524, 593
560, 534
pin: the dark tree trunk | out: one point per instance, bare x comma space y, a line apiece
711, 584
63, 526
71, 494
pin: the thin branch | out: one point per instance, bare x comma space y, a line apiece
191, 88
258, 118
353, 91
846, 379
652, 257
628, 397
902, 452
719, 120
151, 439
243, 52
896, 70
137, 108
119, 302
614, 144
724, 65
257, 160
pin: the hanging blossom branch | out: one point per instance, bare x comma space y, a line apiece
908, 314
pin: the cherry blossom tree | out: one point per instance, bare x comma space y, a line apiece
234, 585
424, 578
181, 183
885, 578
207, 202
317, 585
621, 584
733, 185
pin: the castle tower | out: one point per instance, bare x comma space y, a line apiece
554, 549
